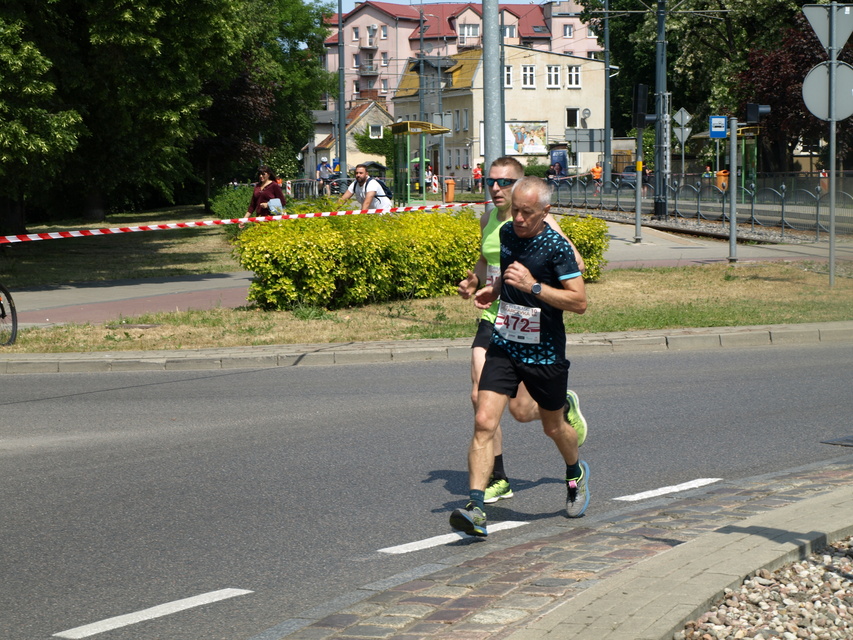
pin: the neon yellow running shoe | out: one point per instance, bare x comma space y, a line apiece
574, 416
498, 489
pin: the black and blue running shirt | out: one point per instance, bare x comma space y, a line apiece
535, 338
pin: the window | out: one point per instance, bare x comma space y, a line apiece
355, 87
574, 79
592, 55
466, 157
553, 76
528, 76
508, 76
356, 61
468, 30
539, 28
376, 131
456, 121
572, 117
383, 32
465, 122
384, 55
458, 158
590, 33
384, 86
508, 31
355, 33
568, 31
569, 52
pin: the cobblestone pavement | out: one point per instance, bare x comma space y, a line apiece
492, 590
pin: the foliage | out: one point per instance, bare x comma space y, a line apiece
775, 77
339, 262
166, 95
535, 169
36, 132
383, 146
591, 238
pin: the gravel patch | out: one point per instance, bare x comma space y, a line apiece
807, 600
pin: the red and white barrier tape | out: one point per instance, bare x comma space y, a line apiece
81, 233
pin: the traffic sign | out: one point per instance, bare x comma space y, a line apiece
816, 90
681, 117
818, 16
717, 126
682, 133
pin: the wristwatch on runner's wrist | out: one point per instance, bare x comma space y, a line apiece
536, 289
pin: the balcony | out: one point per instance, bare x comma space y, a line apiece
369, 42
368, 69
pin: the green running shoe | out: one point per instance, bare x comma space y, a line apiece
577, 493
498, 489
470, 520
574, 416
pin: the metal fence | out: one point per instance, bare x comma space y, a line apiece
790, 204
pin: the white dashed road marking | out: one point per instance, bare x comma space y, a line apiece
693, 484
148, 614
448, 538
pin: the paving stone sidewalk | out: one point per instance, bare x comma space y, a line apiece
524, 587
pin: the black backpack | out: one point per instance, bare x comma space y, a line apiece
386, 191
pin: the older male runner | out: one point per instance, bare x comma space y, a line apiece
539, 279
504, 172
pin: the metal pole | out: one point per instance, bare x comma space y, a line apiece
732, 189
502, 134
492, 85
638, 188
438, 169
421, 110
661, 114
342, 110
608, 150
833, 66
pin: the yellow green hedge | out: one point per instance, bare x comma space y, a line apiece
345, 261
592, 240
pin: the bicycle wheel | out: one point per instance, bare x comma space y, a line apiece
8, 318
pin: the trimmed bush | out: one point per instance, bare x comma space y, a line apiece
344, 261
351, 260
590, 237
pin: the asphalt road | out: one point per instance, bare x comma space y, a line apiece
122, 492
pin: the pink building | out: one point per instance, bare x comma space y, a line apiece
379, 38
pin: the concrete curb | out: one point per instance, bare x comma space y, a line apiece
654, 599
416, 350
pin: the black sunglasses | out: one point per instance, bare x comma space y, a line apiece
502, 182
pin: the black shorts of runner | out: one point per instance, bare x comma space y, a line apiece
546, 383
484, 334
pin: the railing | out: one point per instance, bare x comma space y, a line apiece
789, 205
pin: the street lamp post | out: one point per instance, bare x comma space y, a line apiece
342, 112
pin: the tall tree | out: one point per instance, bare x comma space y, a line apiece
36, 135
774, 76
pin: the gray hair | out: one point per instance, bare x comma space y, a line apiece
542, 189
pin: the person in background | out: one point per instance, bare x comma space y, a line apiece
324, 175
477, 174
596, 172
366, 190
266, 189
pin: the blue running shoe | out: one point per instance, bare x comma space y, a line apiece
470, 520
577, 493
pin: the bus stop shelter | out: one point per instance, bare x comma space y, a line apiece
409, 185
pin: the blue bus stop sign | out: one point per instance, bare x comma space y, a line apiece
717, 126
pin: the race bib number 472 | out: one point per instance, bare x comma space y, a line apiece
518, 323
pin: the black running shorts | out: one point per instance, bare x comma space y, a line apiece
484, 334
547, 383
